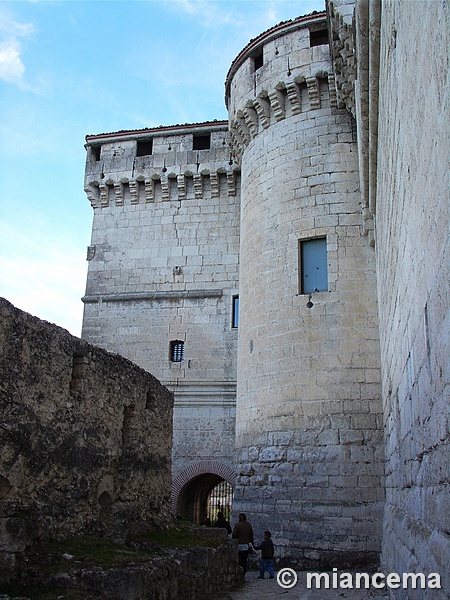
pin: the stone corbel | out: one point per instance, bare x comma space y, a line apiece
276, 98
313, 92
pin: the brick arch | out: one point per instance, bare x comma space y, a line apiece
203, 467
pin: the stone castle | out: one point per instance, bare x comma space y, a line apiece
285, 275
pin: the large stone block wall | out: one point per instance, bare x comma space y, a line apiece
163, 266
308, 427
413, 258
85, 439
214, 429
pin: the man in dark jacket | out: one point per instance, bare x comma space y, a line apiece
243, 533
222, 522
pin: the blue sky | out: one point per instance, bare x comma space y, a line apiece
72, 68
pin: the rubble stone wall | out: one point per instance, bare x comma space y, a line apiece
85, 438
203, 572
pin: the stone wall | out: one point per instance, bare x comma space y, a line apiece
308, 426
412, 217
85, 439
163, 266
203, 572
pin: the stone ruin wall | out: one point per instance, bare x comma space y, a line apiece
85, 439
412, 218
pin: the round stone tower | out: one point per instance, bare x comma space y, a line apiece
308, 430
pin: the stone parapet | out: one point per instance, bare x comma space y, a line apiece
169, 168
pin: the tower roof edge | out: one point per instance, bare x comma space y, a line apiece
273, 32
161, 129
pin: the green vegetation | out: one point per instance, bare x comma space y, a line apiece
181, 535
44, 561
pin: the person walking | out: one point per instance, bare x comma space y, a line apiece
243, 533
267, 552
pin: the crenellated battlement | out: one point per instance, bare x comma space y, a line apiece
163, 164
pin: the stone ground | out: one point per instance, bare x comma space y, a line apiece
257, 589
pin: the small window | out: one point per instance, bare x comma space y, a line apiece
176, 351
313, 266
96, 151
258, 59
318, 38
202, 142
79, 363
235, 313
144, 148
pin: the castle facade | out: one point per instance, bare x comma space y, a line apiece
285, 274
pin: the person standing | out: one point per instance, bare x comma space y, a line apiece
222, 522
243, 533
267, 552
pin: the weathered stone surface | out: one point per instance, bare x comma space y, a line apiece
165, 268
413, 286
203, 572
85, 437
13, 534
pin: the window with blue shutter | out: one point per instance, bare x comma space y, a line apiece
313, 266
235, 313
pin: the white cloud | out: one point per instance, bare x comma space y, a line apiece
42, 272
12, 68
9, 26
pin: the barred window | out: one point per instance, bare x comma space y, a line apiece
176, 351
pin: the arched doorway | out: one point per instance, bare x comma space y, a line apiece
203, 497
201, 490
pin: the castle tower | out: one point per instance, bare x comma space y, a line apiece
308, 427
162, 285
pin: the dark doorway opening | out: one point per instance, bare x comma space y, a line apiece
203, 497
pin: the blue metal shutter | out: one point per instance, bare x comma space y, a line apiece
314, 266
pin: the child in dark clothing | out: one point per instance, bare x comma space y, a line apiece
267, 552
